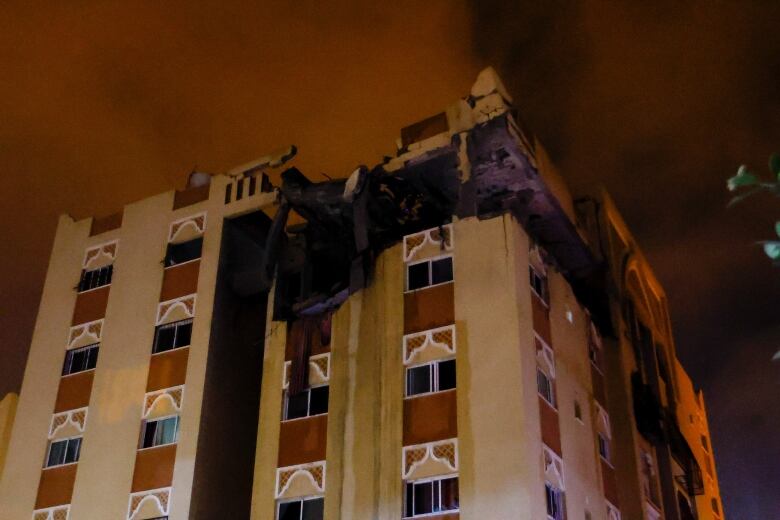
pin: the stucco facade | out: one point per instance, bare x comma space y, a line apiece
448, 335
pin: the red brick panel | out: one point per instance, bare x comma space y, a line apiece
610, 483
167, 369
429, 308
303, 440
431, 417
56, 486
154, 468
541, 318
180, 280
551, 430
190, 196
599, 393
103, 224
90, 305
74, 391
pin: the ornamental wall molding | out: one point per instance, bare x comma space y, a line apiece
553, 468
187, 227
174, 394
444, 452
85, 334
77, 418
419, 343
52, 513
313, 473
545, 357
103, 254
159, 499
319, 370
185, 305
441, 238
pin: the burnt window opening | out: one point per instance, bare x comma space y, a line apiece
312, 401
95, 278
429, 273
183, 252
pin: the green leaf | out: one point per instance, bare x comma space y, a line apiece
772, 249
742, 178
774, 164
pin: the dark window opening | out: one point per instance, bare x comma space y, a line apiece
302, 509
96, 278
80, 359
603, 447
545, 387
428, 273
63, 452
554, 500
160, 432
433, 496
538, 284
431, 377
312, 401
184, 252
172, 335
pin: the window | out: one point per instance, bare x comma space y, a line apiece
312, 401
63, 452
431, 377
545, 387
301, 509
603, 447
80, 359
554, 499
429, 272
431, 496
95, 278
184, 252
577, 411
172, 335
538, 284
160, 431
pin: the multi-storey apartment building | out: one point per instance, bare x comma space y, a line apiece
448, 334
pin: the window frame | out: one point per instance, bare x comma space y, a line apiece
69, 357
551, 400
604, 447
175, 325
110, 268
66, 440
146, 422
437, 479
556, 497
286, 401
430, 262
434, 379
545, 286
298, 499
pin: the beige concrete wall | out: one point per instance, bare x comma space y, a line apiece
573, 382
109, 445
27, 447
498, 412
7, 415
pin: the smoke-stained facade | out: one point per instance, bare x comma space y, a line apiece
447, 334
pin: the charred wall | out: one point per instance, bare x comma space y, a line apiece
224, 464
